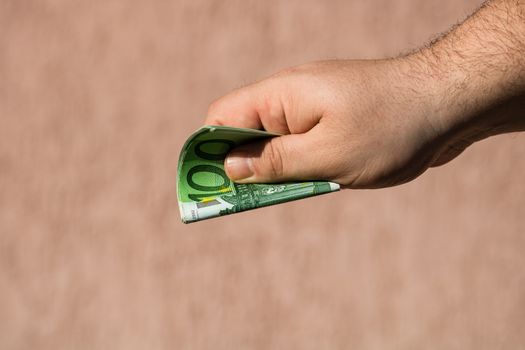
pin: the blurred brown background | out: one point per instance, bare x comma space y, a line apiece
96, 100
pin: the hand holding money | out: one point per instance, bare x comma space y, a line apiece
361, 124
355, 123
367, 124
318, 126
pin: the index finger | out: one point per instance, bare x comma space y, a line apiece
237, 109
257, 106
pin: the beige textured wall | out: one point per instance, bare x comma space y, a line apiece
96, 99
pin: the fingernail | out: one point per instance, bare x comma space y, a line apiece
238, 168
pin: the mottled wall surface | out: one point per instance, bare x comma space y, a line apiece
96, 100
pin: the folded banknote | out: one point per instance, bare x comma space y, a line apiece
204, 191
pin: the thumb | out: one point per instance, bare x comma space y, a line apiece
279, 159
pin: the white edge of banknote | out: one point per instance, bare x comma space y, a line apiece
190, 212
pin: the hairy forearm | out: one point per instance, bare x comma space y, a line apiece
377, 123
476, 72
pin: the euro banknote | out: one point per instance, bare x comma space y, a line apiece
204, 190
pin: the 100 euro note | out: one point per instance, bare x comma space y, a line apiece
205, 191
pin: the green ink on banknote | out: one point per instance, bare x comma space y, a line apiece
204, 190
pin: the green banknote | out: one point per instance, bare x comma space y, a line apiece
204, 190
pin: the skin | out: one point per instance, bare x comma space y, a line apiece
379, 123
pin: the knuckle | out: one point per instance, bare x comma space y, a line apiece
214, 107
293, 70
267, 105
271, 107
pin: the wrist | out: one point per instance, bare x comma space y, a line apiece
429, 88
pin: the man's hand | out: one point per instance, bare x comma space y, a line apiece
377, 123
358, 123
